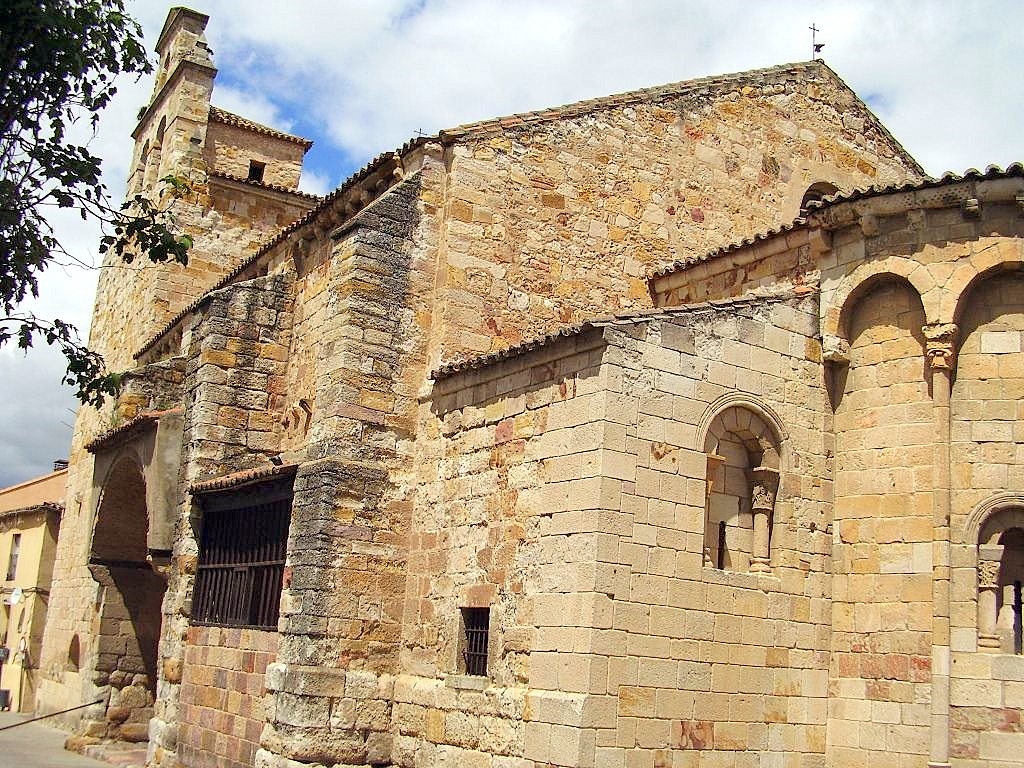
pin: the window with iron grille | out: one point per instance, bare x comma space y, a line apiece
476, 622
242, 552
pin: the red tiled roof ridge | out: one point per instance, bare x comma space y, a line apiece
219, 115
243, 477
858, 193
136, 422
264, 185
605, 321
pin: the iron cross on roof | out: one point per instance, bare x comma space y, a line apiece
815, 45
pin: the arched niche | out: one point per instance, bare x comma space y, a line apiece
1000, 542
815, 193
744, 461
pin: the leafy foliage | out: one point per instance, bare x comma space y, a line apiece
58, 63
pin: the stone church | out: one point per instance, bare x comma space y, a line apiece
680, 427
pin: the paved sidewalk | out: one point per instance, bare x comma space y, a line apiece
36, 745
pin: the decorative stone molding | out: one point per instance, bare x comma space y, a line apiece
986, 509
742, 400
869, 225
835, 349
766, 484
940, 345
971, 208
988, 574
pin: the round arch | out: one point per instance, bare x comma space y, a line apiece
121, 521
742, 400
967, 278
988, 509
867, 276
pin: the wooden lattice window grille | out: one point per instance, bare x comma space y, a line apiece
477, 626
242, 552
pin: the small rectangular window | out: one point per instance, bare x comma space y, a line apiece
477, 626
256, 169
12, 563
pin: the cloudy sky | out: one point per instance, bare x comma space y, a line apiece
361, 77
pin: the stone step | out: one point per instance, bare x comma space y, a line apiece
121, 754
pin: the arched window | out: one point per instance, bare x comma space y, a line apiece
1000, 576
74, 655
816, 192
742, 482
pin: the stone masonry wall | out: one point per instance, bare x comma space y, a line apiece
565, 489
699, 664
988, 690
882, 559
222, 696
556, 221
509, 469
909, 285
229, 149
233, 406
360, 349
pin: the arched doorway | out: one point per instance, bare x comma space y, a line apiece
127, 611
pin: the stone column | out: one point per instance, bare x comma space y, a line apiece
762, 503
988, 587
940, 338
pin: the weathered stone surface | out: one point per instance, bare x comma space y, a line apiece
742, 527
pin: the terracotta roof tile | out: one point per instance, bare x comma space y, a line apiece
134, 426
218, 115
46, 506
280, 236
244, 477
263, 185
628, 318
860, 193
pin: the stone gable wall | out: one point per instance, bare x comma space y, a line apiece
553, 223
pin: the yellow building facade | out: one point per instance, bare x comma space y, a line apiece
29, 520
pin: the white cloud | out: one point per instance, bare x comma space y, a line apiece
253, 106
313, 183
367, 76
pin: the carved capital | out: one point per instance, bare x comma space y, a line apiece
988, 574
765, 486
940, 344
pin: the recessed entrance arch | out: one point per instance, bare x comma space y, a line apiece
127, 611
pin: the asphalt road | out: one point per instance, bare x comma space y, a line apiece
36, 745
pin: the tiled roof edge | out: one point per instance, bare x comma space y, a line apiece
280, 236
43, 506
141, 422
244, 477
482, 361
218, 115
860, 193
263, 185
577, 108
